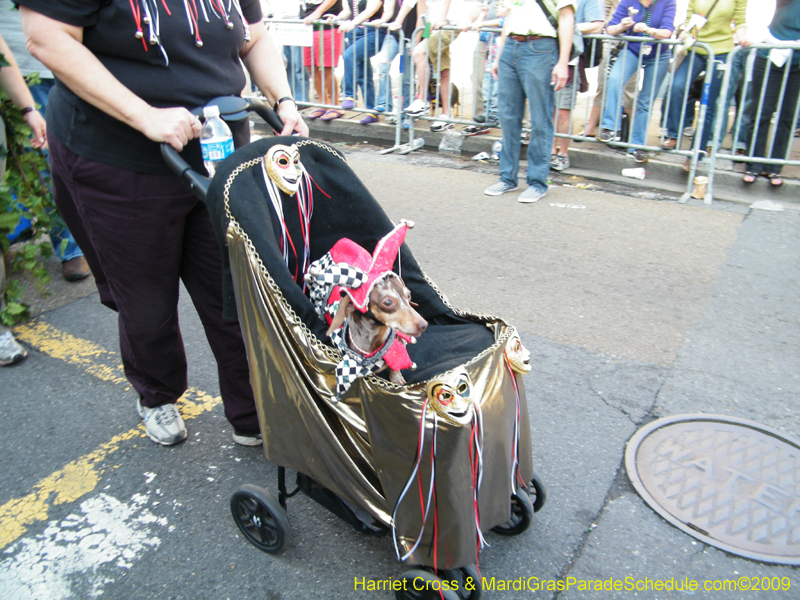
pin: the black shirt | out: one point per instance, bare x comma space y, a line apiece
409, 23
178, 72
309, 6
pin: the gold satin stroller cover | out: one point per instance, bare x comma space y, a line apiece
364, 448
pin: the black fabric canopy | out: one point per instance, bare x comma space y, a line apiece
343, 208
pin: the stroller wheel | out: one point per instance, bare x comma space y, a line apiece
539, 492
260, 518
521, 515
470, 586
419, 584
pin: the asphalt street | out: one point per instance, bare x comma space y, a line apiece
633, 306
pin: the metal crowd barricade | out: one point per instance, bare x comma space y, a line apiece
313, 80
316, 68
756, 98
408, 65
609, 41
303, 79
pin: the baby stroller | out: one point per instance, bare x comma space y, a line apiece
461, 420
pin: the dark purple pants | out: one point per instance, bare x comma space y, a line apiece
141, 234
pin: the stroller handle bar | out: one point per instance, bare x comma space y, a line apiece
231, 109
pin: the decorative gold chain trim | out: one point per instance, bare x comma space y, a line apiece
307, 142
233, 226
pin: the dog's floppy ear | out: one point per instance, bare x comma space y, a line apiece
345, 308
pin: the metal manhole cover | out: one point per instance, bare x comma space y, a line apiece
731, 483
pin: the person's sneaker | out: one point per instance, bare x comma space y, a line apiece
438, 126
471, 130
640, 156
391, 120
416, 108
479, 118
10, 351
244, 439
606, 135
525, 138
688, 132
559, 162
501, 187
530, 195
348, 104
163, 424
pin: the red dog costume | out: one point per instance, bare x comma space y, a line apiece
350, 269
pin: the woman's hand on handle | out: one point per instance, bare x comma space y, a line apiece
292, 121
175, 126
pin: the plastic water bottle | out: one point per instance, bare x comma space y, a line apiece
216, 139
497, 148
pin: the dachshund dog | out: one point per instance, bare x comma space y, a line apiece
390, 308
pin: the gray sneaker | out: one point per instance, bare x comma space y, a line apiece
501, 187
10, 350
163, 424
559, 162
247, 440
530, 195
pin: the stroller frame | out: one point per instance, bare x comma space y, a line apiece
345, 455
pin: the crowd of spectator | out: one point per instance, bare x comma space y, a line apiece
629, 78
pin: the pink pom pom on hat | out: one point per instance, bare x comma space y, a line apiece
376, 266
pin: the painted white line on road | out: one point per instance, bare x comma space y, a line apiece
106, 536
79, 477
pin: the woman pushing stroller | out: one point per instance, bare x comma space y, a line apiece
125, 72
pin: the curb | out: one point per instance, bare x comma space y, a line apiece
592, 160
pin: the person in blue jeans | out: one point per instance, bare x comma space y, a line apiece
362, 44
402, 19
296, 72
73, 265
771, 69
646, 18
717, 32
489, 85
532, 65
492, 15
741, 87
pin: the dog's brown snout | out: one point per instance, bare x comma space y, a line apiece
422, 325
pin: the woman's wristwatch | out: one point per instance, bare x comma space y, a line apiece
281, 101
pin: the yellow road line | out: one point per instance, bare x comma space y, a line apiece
95, 360
80, 476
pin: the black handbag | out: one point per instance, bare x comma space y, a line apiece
592, 54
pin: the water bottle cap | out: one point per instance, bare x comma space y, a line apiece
211, 111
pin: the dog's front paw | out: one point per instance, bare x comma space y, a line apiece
397, 377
